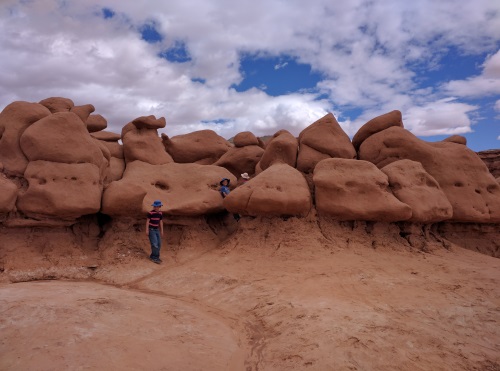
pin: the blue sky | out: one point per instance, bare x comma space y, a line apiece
262, 66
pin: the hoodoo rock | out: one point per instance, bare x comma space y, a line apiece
60, 137
281, 149
412, 185
14, 120
356, 190
239, 160
57, 104
245, 138
323, 139
96, 123
59, 190
202, 147
456, 139
280, 190
377, 124
83, 111
190, 189
8, 195
142, 143
117, 160
464, 178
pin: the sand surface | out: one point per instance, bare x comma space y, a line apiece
258, 306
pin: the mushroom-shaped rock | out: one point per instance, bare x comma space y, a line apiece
245, 138
203, 147
185, 189
412, 185
83, 111
320, 140
377, 124
106, 136
60, 137
64, 191
456, 139
96, 123
356, 190
280, 190
281, 149
14, 120
8, 195
57, 104
149, 122
143, 144
241, 160
463, 177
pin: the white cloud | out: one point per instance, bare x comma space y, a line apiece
362, 48
488, 83
434, 118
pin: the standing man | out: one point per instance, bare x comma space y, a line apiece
154, 230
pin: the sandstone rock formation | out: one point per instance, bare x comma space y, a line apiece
239, 160
323, 139
456, 139
57, 104
281, 149
280, 190
412, 185
14, 120
185, 189
245, 138
117, 160
492, 160
83, 111
356, 190
96, 123
464, 178
142, 143
377, 124
8, 195
202, 147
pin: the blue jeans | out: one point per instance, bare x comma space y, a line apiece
155, 239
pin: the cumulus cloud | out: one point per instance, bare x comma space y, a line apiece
365, 50
487, 83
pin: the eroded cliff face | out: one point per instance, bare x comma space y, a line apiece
62, 175
492, 160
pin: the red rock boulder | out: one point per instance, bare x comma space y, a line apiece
280, 190
412, 185
202, 147
239, 160
245, 138
280, 149
356, 190
377, 124
320, 140
8, 195
463, 177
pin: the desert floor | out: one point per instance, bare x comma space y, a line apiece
296, 303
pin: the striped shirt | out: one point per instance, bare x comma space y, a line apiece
154, 218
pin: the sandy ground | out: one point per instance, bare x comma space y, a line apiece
292, 300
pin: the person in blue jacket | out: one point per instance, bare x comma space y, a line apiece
224, 191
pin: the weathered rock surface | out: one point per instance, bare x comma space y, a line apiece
281, 149
83, 111
412, 185
65, 191
280, 190
142, 143
8, 195
245, 138
377, 124
185, 189
14, 120
60, 137
202, 147
492, 160
464, 178
323, 139
106, 136
239, 160
57, 104
456, 139
96, 123
356, 190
